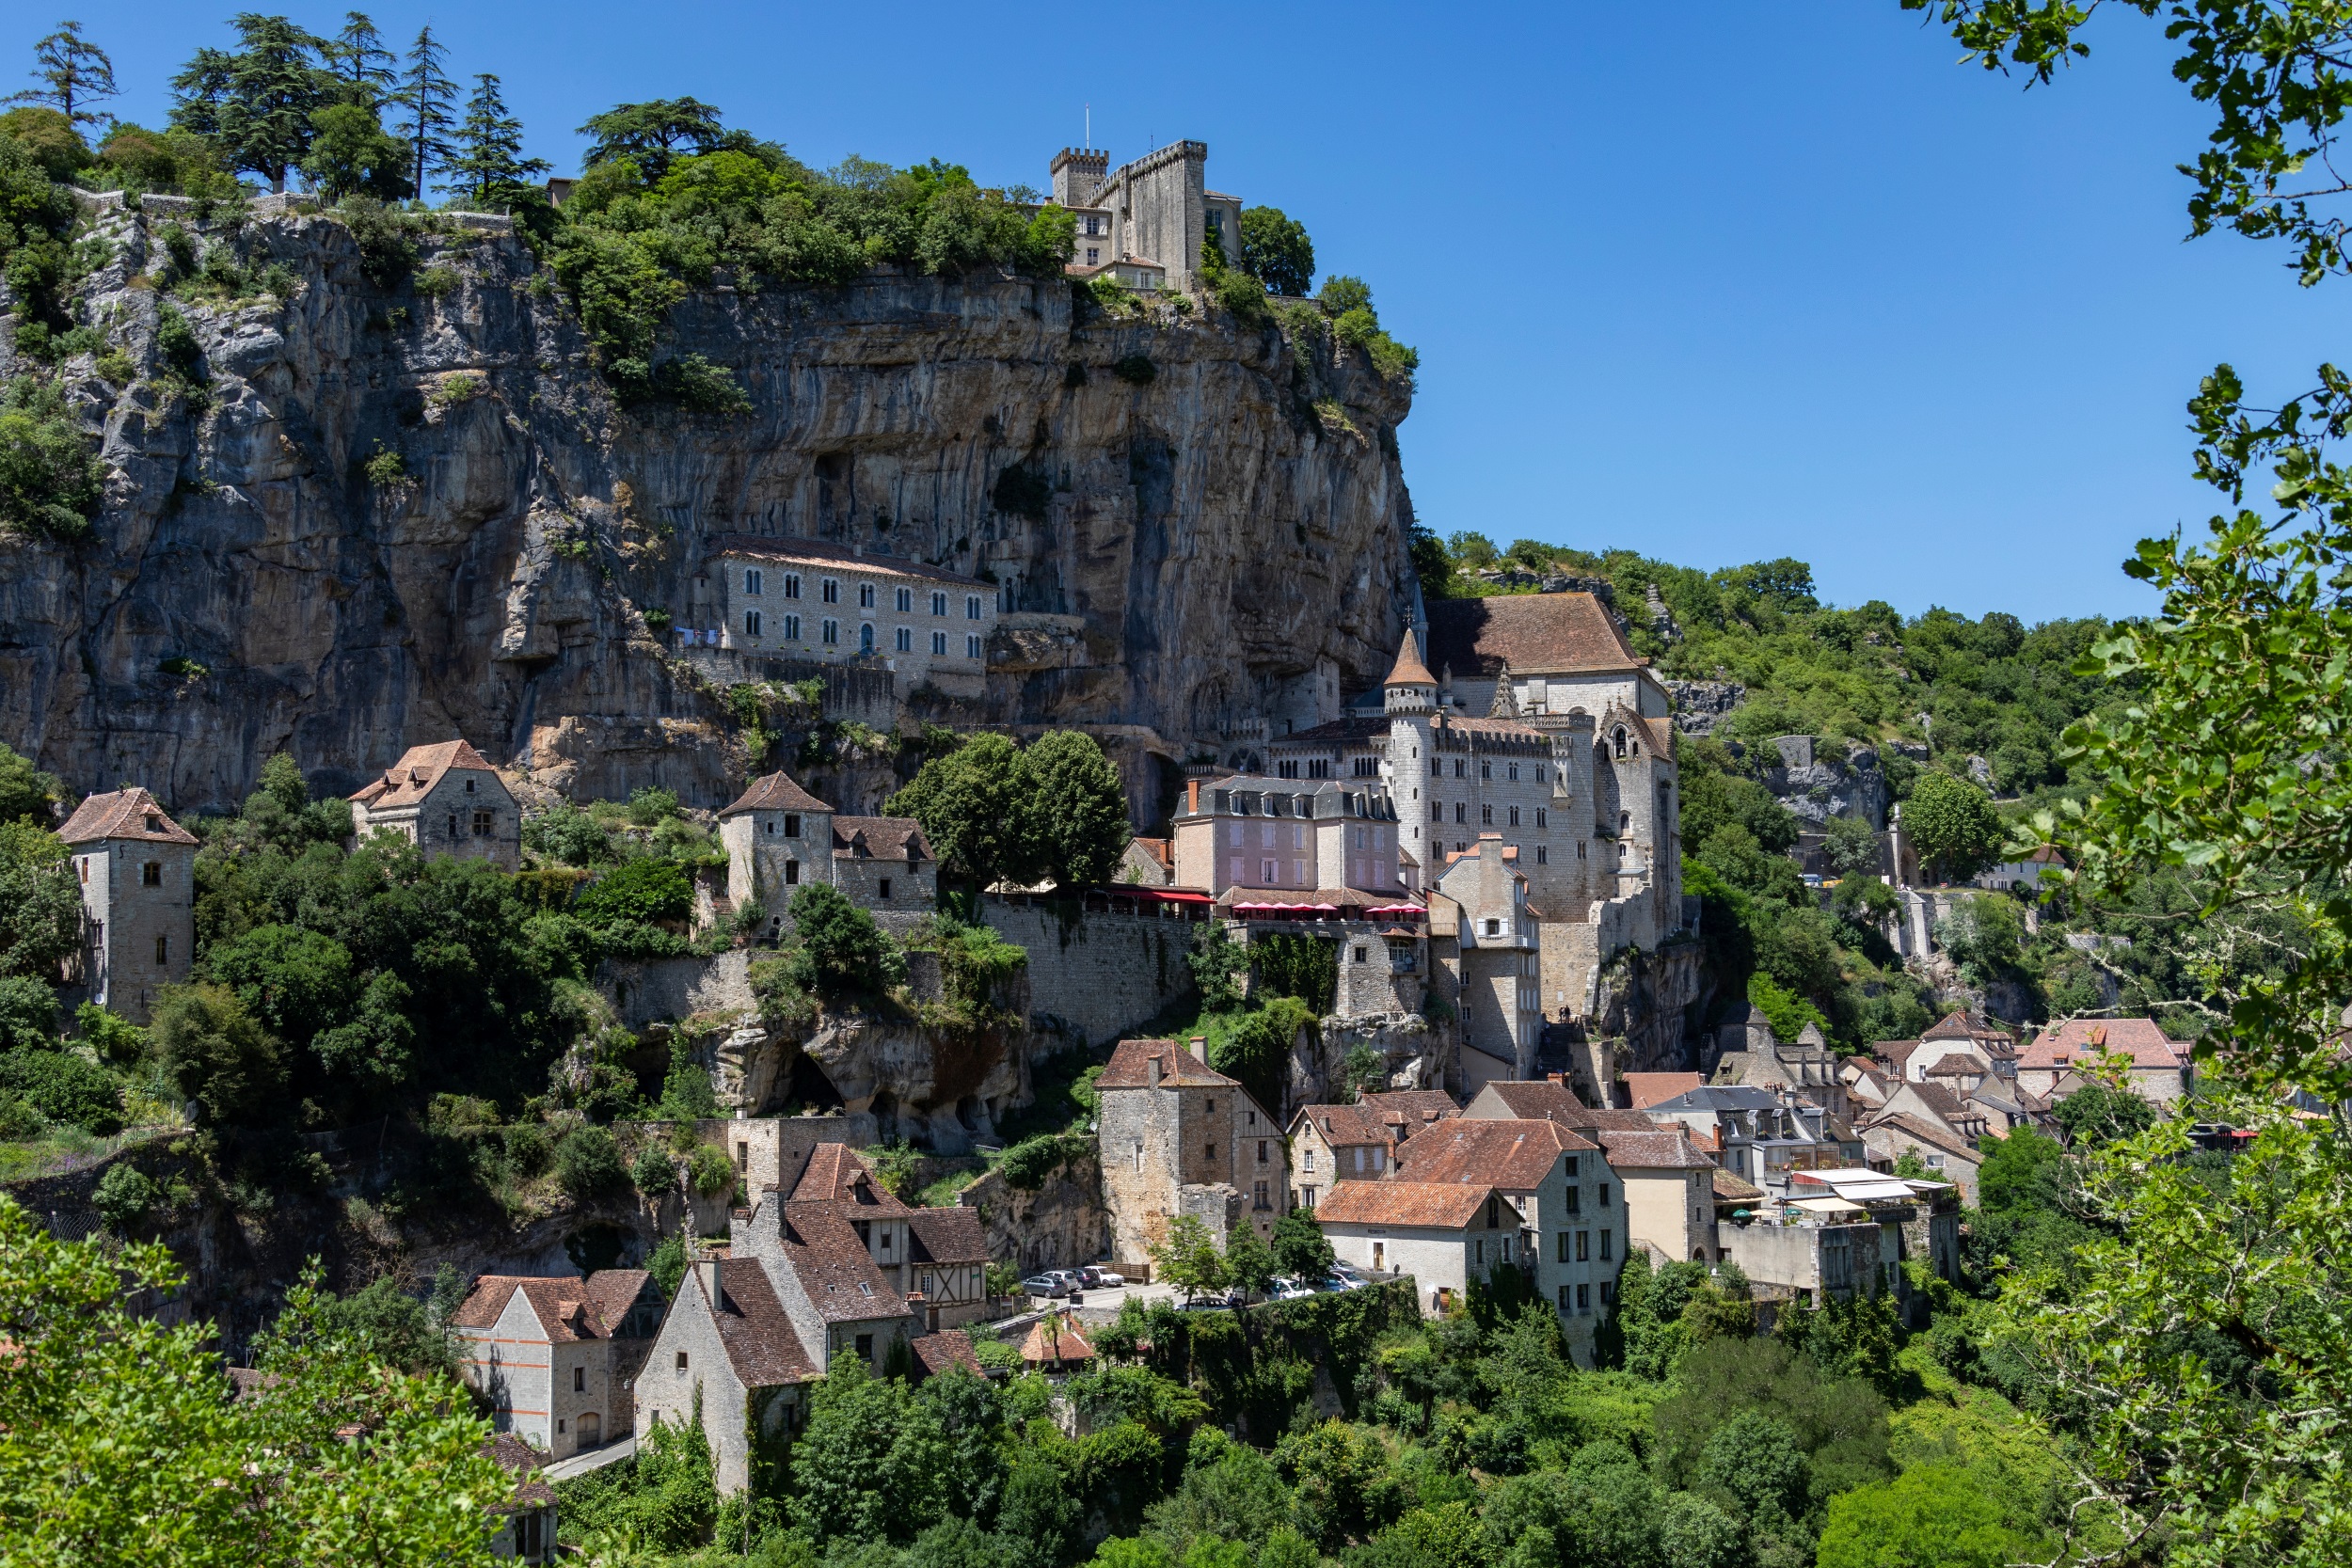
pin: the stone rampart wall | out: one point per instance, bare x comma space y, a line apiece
1101, 977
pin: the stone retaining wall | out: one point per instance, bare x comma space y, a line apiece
1104, 975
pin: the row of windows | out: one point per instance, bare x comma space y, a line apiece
1487, 814
828, 590
829, 633
1485, 770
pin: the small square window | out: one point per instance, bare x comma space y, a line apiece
681, 1361
882, 889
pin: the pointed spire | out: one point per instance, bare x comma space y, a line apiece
1409, 670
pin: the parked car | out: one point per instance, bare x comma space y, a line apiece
1095, 1278
1291, 1289
1051, 1284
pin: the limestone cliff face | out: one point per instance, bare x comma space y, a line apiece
1206, 545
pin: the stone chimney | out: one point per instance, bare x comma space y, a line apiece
1151, 1071
708, 1269
1192, 796
1200, 1049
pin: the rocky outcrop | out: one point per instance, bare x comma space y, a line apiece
1700, 706
1816, 781
1059, 1224
1204, 540
1414, 1054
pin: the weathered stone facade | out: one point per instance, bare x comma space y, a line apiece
136, 870
1179, 1138
1094, 975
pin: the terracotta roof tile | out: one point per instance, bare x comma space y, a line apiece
1535, 634
773, 792
816, 552
1128, 1067
1515, 1155
1648, 1088
1055, 1338
1346, 1126
566, 1310
1729, 1188
1925, 1131
1409, 669
842, 1280
1443, 1205
1415, 1105
1958, 1067
407, 781
521, 1461
132, 814
880, 838
2079, 1040
835, 1174
614, 1292
1539, 1100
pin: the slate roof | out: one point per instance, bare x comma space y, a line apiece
762, 1343
1538, 1100
816, 552
1127, 1069
2073, 1043
1443, 1205
1535, 634
1658, 1151
1513, 1155
407, 781
1334, 732
773, 792
122, 814
569, 1309
947, 1236
948, 1347
1648, 1088
880, 838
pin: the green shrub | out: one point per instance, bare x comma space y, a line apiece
588, 1164
176, 345
386, 248
1136, 369
63, 1087
655, 1171
179, 249
28, 1014
433, 282
527, 1148
125, 1196
564, 832
837, 949
386, 469
50, 481
1027, 1163
709, 1172
641, 891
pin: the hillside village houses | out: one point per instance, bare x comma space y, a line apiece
778, 835
446, 800
555, 1358
1178, 1137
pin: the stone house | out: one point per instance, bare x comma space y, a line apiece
2159, 1069
1054, 1345
937, 1258
1178, 1137
1486, 894
136, 872
1148, 862
1946, 1155
1251, 831
729, 1349
555, 1358
1568, 1205
1330, 1144
1758, 1136
1669, 1192
1805, 1066
806, 599
777, 835
1444, 1234
1818, 1255
526, 1532
446, 800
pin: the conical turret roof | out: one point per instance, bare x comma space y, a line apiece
1409, 670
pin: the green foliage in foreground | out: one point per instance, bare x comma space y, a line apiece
120, 1445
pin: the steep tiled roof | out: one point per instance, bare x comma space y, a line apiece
521, 1461
1648, 1088
1894, 1054
408, 781
834, 1174
1163, 851
2079, 1040
1409, 669
948, 1347
841, 1278
947, 1236
1609, 1120
1415, 1105
762, 1343
880, 838
1344, 1126
1445, 1204
1958, 1025
1055, 1338
1127, 1069
1960, 1064
1652, 1151
566, 1309
1515, 1155
1537, 1100
614, 1292
773, 792
1535, 634
122, 814
1334, 732
1943, 1102
816, 552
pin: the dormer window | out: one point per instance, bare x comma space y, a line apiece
154, 823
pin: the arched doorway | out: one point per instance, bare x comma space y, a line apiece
591, 1430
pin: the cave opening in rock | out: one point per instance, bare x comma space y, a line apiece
808, 1085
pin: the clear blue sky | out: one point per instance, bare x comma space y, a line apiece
1711, 282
